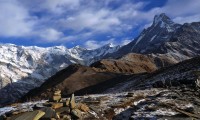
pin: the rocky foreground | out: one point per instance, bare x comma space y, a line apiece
150, 104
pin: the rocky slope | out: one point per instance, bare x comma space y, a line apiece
169, 93
133, 63
98, 77
179, 42
72, 79
150, 104
178, 76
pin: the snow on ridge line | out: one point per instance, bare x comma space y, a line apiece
20, 62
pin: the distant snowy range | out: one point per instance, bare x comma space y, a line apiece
30, 66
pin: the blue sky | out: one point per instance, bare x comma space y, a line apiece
88, 23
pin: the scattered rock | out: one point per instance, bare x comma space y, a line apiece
188, 113
83, 107
130, 94
66, 117
65, 110
35, 115
95, 108
66, 103
93, 102
2, 117
116, 106
16, 112
38, 106
109, 113
47, 104
49, 113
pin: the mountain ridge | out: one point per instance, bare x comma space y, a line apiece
165, 37
24, 68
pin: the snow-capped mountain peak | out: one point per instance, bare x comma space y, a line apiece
32, 65
110, 45
162, 20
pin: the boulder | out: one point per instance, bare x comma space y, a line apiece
76, 113
47, 104
35, 115
65, 110
56, 98
83, 107
66, 103
38, 106
57, 92
49, 113
72, 103
16, 112
91, 100
2, 117
66, 117
57, 105
130, 94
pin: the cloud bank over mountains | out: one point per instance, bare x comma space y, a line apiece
85, 22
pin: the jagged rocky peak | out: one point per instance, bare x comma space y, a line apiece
79, 47
110, 45
161, 20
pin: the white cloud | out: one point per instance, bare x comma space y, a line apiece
91, 44
52, 6
59, 6
180, 11
182, 8
125, 42
14, 19
51, 35
93, 20
187, 19
83, 19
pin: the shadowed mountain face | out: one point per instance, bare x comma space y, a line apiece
178, 76
85, 80
103, 74
71, 79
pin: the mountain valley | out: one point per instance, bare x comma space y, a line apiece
155, 76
